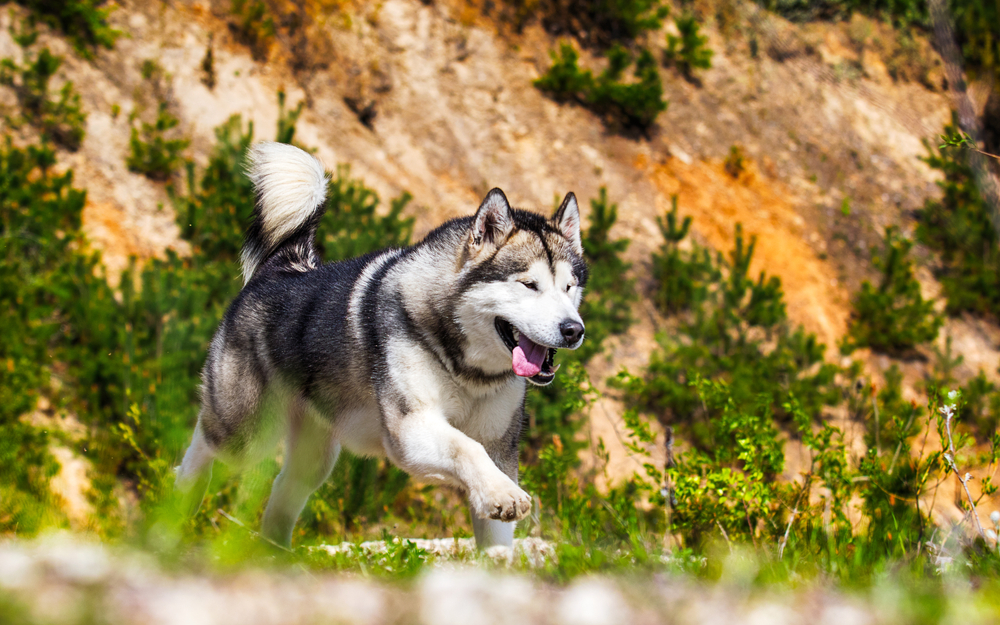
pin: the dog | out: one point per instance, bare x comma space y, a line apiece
420, 355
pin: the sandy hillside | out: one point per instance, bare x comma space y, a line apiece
456, 114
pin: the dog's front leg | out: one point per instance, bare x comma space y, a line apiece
503, 452
426, 446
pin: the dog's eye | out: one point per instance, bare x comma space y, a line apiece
531, 285
568, 287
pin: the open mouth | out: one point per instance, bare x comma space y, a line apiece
528, 359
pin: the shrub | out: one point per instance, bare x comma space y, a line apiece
84, 22
729, 327
687, 52
607, 304
893, 317
960, 229
625, 106
682, 278
253, 26
598, 24
59, 118
41, 274
151, 153
735, 161
352, 226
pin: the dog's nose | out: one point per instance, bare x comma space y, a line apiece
571, 331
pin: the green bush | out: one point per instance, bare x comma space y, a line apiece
960, 229
892, 318
600, 23
42, 273
610, 293
728, 326
84, 22
682, 278
687, 52
253, 26
59, 118
627, 106
151, 152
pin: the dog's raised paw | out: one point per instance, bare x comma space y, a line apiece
505, 504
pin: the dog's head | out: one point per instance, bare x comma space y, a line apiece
522, 282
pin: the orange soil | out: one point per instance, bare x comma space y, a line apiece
766, 208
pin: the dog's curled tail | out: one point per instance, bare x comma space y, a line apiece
290, 187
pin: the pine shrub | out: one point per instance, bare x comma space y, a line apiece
151, 152
626, 106
687, 52
682, 278
893, 317
58, 116
610, 293
83, 22
729, 327
959, 227
599, 24
42, 273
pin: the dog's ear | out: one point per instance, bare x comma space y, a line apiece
567, 220
493, 222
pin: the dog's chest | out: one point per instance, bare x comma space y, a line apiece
487, 417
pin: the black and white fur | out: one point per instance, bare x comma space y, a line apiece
404, 353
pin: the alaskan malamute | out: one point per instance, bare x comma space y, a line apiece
418, 354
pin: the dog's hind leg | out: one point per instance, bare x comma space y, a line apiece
195, 472
309, 458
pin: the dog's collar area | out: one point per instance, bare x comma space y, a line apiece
507, 331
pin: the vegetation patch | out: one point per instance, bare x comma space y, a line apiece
960, 228
151, 152
599, 24
57, 116
687, 51
725, 325
84, 22
893, 317
626, 106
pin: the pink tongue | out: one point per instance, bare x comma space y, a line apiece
528, 357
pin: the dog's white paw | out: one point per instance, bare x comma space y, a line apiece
503, 502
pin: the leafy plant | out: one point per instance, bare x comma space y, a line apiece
959, 227
253, 26
893, 317
607, 305
84, 22
687, 52
58, 117
598, 24
728, 326
41, 274
151, 152
626, 106
735, 161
